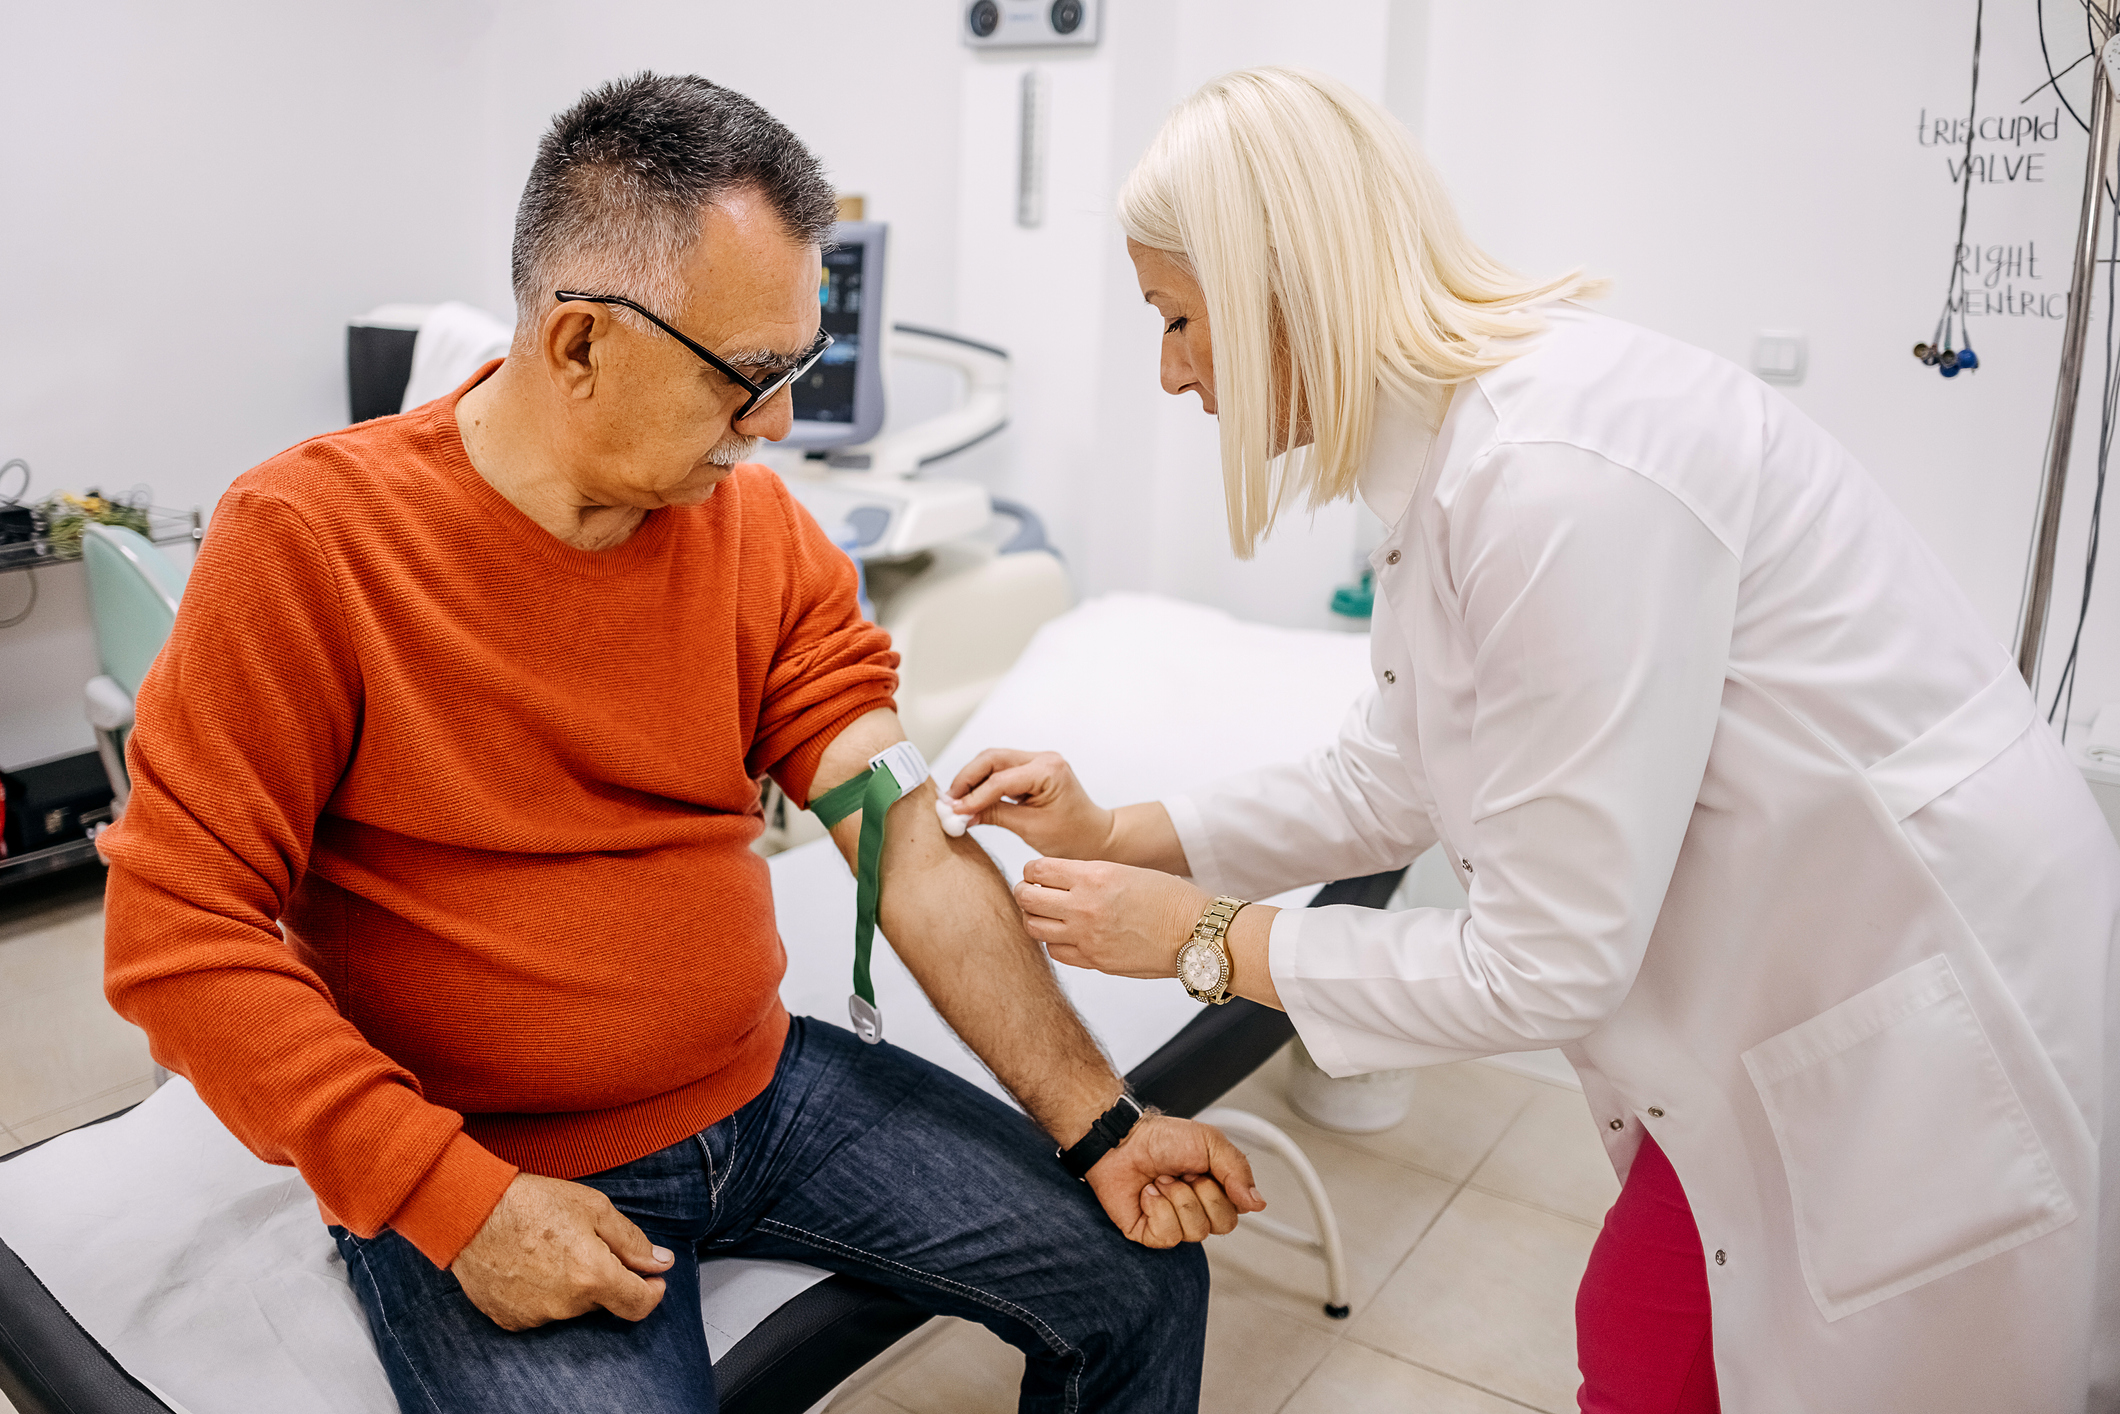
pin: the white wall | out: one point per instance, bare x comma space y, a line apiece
1738, 168
196, 198
200, 197
197, 201
1129, 477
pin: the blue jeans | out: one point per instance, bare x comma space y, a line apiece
859, 1159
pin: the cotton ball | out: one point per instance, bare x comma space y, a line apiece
953, 824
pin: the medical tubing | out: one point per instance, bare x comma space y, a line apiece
2065, 688
873, 795
2046, 523
29, 605
1965, 189
2046, 59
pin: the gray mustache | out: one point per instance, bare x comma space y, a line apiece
731, 450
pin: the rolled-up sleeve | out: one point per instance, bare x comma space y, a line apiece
830, 666
1597, 611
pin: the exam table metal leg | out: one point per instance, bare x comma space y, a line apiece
1247, 1128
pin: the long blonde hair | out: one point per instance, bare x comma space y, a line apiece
1316, 228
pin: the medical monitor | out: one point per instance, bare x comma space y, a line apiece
840, 401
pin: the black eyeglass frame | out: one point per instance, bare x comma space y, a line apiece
760, 392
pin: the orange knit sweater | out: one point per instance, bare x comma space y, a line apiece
437, 863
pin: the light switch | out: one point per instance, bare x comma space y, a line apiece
1779, 355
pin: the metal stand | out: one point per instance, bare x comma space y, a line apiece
2061, 437
1246, 1126
18, 868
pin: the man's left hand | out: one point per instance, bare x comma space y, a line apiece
1174, 1180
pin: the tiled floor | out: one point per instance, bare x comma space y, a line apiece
1466, 1226
65, 1056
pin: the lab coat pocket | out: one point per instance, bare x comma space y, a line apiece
1907, 1150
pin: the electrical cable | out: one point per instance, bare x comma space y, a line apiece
2109, 417
2053, 81
1965, 189
2031, 549
1940, 352
31, 576
2064, 698
2039, 12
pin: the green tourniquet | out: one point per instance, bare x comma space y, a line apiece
873, 795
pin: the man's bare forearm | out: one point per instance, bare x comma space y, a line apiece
948, 915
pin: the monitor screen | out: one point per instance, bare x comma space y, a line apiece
826, 393
839, 403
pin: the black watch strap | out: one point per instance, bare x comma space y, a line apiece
1107, 1134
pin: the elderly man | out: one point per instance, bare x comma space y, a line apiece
437, 879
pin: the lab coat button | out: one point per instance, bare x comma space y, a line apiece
1721, 1256
1619, 1124
1655, 1113
1390, 676
1466, 865
1392, 558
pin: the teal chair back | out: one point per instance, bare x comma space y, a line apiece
133, 589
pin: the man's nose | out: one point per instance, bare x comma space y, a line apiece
772, 418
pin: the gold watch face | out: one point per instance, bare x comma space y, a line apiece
1200, 966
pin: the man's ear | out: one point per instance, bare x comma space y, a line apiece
570, 343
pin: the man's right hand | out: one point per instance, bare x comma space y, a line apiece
551, 1250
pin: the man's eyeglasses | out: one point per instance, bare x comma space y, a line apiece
759, 392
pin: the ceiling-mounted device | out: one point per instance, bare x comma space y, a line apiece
1015, 24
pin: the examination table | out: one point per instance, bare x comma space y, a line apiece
150, 1263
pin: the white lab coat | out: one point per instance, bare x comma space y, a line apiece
1760, 826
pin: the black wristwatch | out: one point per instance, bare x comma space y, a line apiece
1107, 1134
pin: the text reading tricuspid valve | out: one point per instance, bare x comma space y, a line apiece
2010, 138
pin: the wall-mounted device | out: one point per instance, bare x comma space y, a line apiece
1030, 151
1006, 24
1780, 356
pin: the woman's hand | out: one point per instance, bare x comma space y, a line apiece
1109, 917
1046, 806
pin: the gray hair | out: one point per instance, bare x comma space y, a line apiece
615, 197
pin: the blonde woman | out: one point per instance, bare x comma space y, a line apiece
1757, 821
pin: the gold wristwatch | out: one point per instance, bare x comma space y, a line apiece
1203, 963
